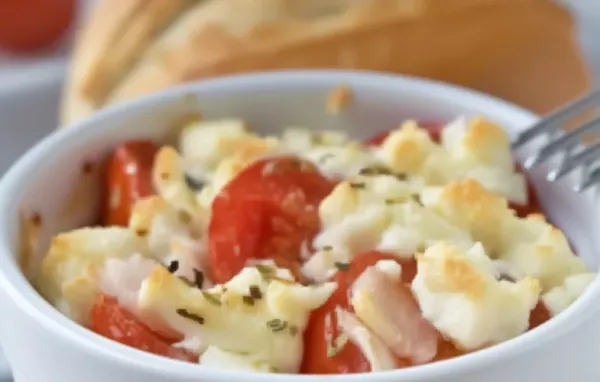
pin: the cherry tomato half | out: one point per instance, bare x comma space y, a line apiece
29, 25
266, 212
112, 321
128, 179
323, 321
538, 315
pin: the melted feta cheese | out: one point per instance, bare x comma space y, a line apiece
469, 206
484, 310
215, 151
69, 273
380, 212
480, 150
341, 161
406, 149
122, 278
169, 180
209, 142
268, 327
301, 140
540, 250
561, 297
173, 222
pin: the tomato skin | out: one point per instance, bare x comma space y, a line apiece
29, 25
128, 179
350, 359
110, 320
538, 315
434, 129
266, 212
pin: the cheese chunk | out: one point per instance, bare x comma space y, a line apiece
540, 250
483, 310
215, 151
357, 232
477, 141
406, 149
169, 180
261, 312
479, 149
300, 140
341, 161
376, 212
527, 247
172, 234
350, 195
561, 297
468, 205
68, 277
209, 142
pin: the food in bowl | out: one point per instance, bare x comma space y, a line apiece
312, 253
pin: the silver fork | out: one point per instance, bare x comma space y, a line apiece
575, 154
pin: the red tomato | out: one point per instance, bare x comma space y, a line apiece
128, 179
434, 129
323, 321
112, 321
266, 212
539, 315
27, 25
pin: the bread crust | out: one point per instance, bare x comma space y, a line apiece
521, 50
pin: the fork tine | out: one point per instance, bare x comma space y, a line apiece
570, 164
592, 179
553, 121
565, 142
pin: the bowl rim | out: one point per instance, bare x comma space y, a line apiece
30, 302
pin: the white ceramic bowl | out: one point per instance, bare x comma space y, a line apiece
43, 345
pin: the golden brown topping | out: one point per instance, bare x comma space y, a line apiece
338, 99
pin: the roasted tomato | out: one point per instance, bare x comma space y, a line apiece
29, 25
112, 321
268, 211
128, 179
539, 315
318, 358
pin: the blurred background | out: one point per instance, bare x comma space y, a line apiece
587, 13
27, 41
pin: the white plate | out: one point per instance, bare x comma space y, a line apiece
29, 101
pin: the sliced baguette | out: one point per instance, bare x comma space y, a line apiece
521, 50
